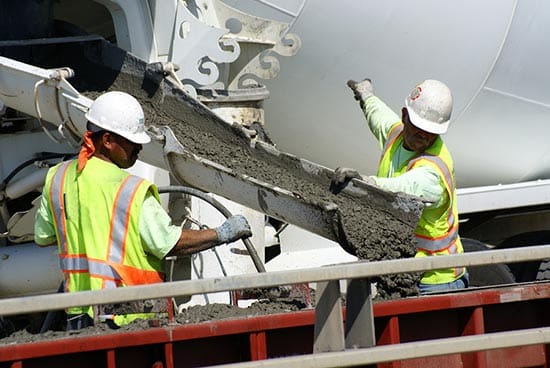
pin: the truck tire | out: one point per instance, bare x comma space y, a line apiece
486, 275
533, 270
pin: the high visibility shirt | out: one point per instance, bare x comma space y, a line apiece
96, 218
422, 181
437, 230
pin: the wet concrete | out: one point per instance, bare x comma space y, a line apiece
376, 228
366, 230
372, 229
370, 233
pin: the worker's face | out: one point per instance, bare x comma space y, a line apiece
415, 139
122, 152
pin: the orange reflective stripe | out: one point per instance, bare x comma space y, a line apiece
441, 165
120, 217
103, 270
394, 133
112, 271
95, 267
135, 276
438, 244
118, 235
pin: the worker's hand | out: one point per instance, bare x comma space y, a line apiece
234, 228
341, 178
361, 90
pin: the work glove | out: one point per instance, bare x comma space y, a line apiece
341, 178
234, 228
361, 90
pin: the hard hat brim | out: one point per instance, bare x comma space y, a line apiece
426, 125
138, 138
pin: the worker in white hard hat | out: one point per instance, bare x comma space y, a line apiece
109, 226
416, 161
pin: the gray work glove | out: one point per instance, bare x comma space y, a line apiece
234, 228
341, 178
361, 90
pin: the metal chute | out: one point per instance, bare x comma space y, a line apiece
204, 151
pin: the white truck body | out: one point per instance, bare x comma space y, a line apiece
492, 55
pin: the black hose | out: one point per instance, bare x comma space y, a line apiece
43, 156
223, 210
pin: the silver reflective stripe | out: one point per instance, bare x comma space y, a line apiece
99, 268
58, 207
394, 133
74, 263
434, 245
94, 267
121, 216
81, 263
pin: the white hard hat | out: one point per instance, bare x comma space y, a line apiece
430, 105
120, 113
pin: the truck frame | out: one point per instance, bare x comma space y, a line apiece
218, 84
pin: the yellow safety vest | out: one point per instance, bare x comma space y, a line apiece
96, 217
437, 229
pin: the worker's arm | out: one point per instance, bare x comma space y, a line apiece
380, 118
44, 229
193, 241
423, 182
161, 238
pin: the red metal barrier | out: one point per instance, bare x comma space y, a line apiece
264, 337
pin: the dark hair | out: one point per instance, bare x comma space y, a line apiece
97, 132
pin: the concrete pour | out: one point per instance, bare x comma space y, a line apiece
370, 233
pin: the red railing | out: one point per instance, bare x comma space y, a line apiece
271, 336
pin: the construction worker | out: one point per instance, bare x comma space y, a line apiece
109, 226
416, 161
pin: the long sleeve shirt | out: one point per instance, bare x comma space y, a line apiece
423, 182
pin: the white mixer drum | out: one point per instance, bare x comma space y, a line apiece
494, 55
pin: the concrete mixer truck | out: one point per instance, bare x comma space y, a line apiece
208, 138
502, 201
494, 57
196, 67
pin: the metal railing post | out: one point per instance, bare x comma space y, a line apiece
329, 327
359, 315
